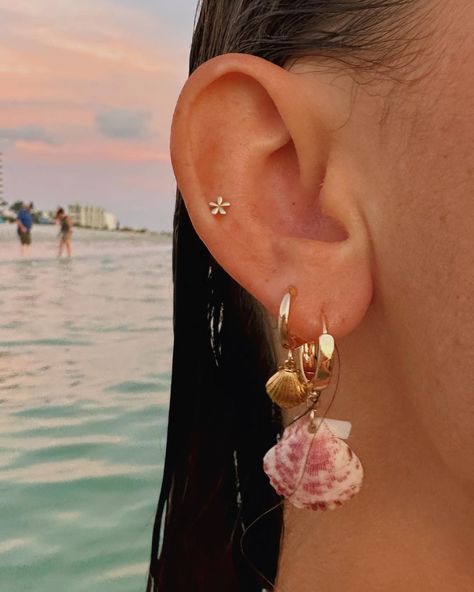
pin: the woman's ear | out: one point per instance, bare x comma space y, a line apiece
264, 139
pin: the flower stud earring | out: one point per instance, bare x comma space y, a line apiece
219, 206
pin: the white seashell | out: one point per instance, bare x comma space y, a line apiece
341, 429
313, 469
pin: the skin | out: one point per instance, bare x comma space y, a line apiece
360, 196
64, 243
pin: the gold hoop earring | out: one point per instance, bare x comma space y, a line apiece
286, 387
317, 364
310, 466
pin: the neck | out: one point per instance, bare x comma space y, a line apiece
411, 526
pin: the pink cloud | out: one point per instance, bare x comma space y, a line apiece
63, 62
112, 151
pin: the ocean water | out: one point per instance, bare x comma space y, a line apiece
85, 356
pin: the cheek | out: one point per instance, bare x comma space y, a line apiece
436, 174
431, 208
420, 215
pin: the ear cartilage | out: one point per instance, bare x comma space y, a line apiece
219, 206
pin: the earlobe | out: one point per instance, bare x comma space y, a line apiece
251, 133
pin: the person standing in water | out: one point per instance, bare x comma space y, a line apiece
24, 224
65, 231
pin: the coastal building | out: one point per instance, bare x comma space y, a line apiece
5, 212
44, 217
92, 217
111, 222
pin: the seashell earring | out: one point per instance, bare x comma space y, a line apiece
311, 467
286, 387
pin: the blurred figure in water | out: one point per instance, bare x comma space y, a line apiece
24, 224
65, 231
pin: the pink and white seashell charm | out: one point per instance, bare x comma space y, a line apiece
312, 468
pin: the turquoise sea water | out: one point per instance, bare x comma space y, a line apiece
85, 353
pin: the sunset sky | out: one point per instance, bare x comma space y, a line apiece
87, 89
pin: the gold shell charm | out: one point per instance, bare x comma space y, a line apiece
285, 388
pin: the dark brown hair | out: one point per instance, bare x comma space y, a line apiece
221, 422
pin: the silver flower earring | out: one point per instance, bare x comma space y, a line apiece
219, 206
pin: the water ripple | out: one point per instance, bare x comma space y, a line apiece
84, 379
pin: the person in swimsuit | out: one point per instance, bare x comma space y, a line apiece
65, 232
24, 224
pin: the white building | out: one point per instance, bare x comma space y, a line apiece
5, 211
110, 221
92, 217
